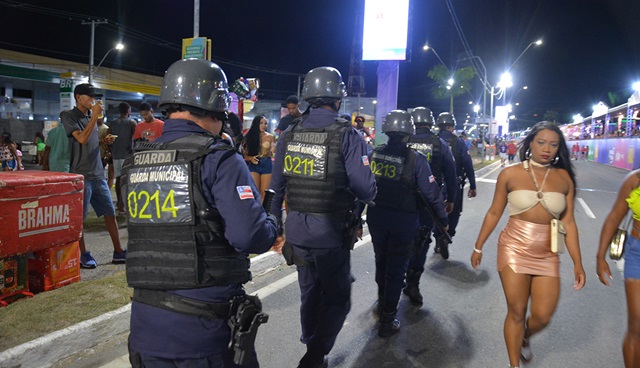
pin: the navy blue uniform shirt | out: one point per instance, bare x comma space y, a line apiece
463, 153
167, 334
427, 184
447, 163
314, 231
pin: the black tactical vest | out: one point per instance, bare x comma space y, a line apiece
453, 144
397, 188
430, 146
176, 240
313, 164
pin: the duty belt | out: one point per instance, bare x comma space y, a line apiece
175, 303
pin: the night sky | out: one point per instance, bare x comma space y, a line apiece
591, 48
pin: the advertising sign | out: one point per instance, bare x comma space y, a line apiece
384, 36
196, 48
66, 94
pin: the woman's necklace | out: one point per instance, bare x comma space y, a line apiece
533, 176
533, 163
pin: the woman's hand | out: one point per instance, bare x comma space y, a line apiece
476, 258
254, 160
604, 273
580, 277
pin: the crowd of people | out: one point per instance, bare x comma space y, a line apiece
187, 261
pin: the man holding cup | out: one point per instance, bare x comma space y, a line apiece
82, 131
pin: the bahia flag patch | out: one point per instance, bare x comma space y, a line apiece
365, 160
245, 192
431, 179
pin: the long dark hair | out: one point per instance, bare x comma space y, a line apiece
564, 159
252, 138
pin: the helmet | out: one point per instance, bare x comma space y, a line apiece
197, 83
398, 121
422, 116
323, 82
446, 119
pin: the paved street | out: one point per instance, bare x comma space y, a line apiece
460, 324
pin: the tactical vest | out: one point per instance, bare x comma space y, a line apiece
453, 144
397, 187
313, 164
176, 240
430, 146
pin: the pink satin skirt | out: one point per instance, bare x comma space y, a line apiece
525, 247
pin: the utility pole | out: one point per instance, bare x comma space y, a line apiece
196, 18
93, 24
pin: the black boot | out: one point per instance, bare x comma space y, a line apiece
389, 324
313, 360
443, 245
412, 289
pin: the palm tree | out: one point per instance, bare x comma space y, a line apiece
462, 82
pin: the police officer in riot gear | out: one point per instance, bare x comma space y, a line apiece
464, 170
322, 165
194, 216
405, 182
443, 168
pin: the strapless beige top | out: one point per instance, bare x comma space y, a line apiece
523, 200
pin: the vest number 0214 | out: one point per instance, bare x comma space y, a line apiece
145, 200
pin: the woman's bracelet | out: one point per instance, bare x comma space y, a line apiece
477, 250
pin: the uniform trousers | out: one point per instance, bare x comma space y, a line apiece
392, 244
454, 216
325, 294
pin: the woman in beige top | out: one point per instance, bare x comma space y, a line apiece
541, 187
258, 148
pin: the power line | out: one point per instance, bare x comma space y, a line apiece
130, 32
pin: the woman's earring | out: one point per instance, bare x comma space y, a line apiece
556, 160
527, 153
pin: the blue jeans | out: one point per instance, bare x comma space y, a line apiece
97, 193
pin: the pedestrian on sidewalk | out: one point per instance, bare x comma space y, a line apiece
82, 131
122, 128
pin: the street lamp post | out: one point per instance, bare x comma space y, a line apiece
118, 47
537, 43
427, 47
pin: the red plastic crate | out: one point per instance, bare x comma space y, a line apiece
54, 267
38, 210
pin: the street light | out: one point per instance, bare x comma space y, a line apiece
427, 47
92, 70
537, 43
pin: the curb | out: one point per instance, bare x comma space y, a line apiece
47, 350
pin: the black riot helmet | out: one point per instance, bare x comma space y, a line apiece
195, 83
446, 119
422, 116
323, 82
398, 122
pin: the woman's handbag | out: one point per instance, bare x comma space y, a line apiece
616, 247
557, 236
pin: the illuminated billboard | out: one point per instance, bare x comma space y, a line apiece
384, 36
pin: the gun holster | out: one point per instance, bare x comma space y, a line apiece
244, 319
350, 231
421, 239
